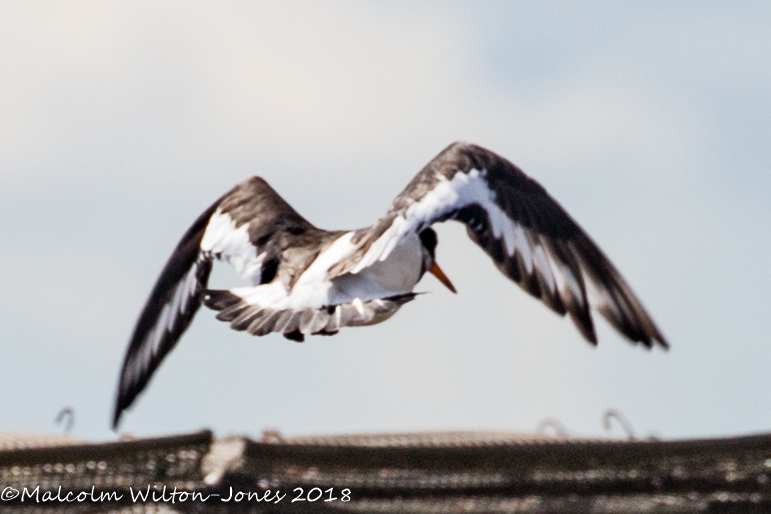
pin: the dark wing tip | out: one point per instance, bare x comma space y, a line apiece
174, 300
653, 338
165, 317
582, 319
119, 407
538, 245
614, 298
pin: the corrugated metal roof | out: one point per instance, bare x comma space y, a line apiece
415, 473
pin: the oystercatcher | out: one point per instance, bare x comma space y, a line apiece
310, 281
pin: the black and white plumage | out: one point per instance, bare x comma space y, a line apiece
309, 281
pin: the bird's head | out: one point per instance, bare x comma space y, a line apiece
428, 240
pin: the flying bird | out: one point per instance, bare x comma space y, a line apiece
310, 281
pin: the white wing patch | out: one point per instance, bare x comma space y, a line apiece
447, 196
273, 295
233, 245
311, 290
519, 240
463, 190
566, 279
166, 322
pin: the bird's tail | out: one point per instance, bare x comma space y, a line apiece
295, 324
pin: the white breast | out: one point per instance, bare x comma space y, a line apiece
393, 276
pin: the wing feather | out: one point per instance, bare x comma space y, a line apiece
528, 235
250, 227
173, 302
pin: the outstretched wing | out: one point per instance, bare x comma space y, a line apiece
248, 227
531, 239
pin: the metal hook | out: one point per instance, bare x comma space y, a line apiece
70, 414
613, 413
554, 423
272, 436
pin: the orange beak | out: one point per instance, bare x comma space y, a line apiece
438, 273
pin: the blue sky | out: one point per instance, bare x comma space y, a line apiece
121, 122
